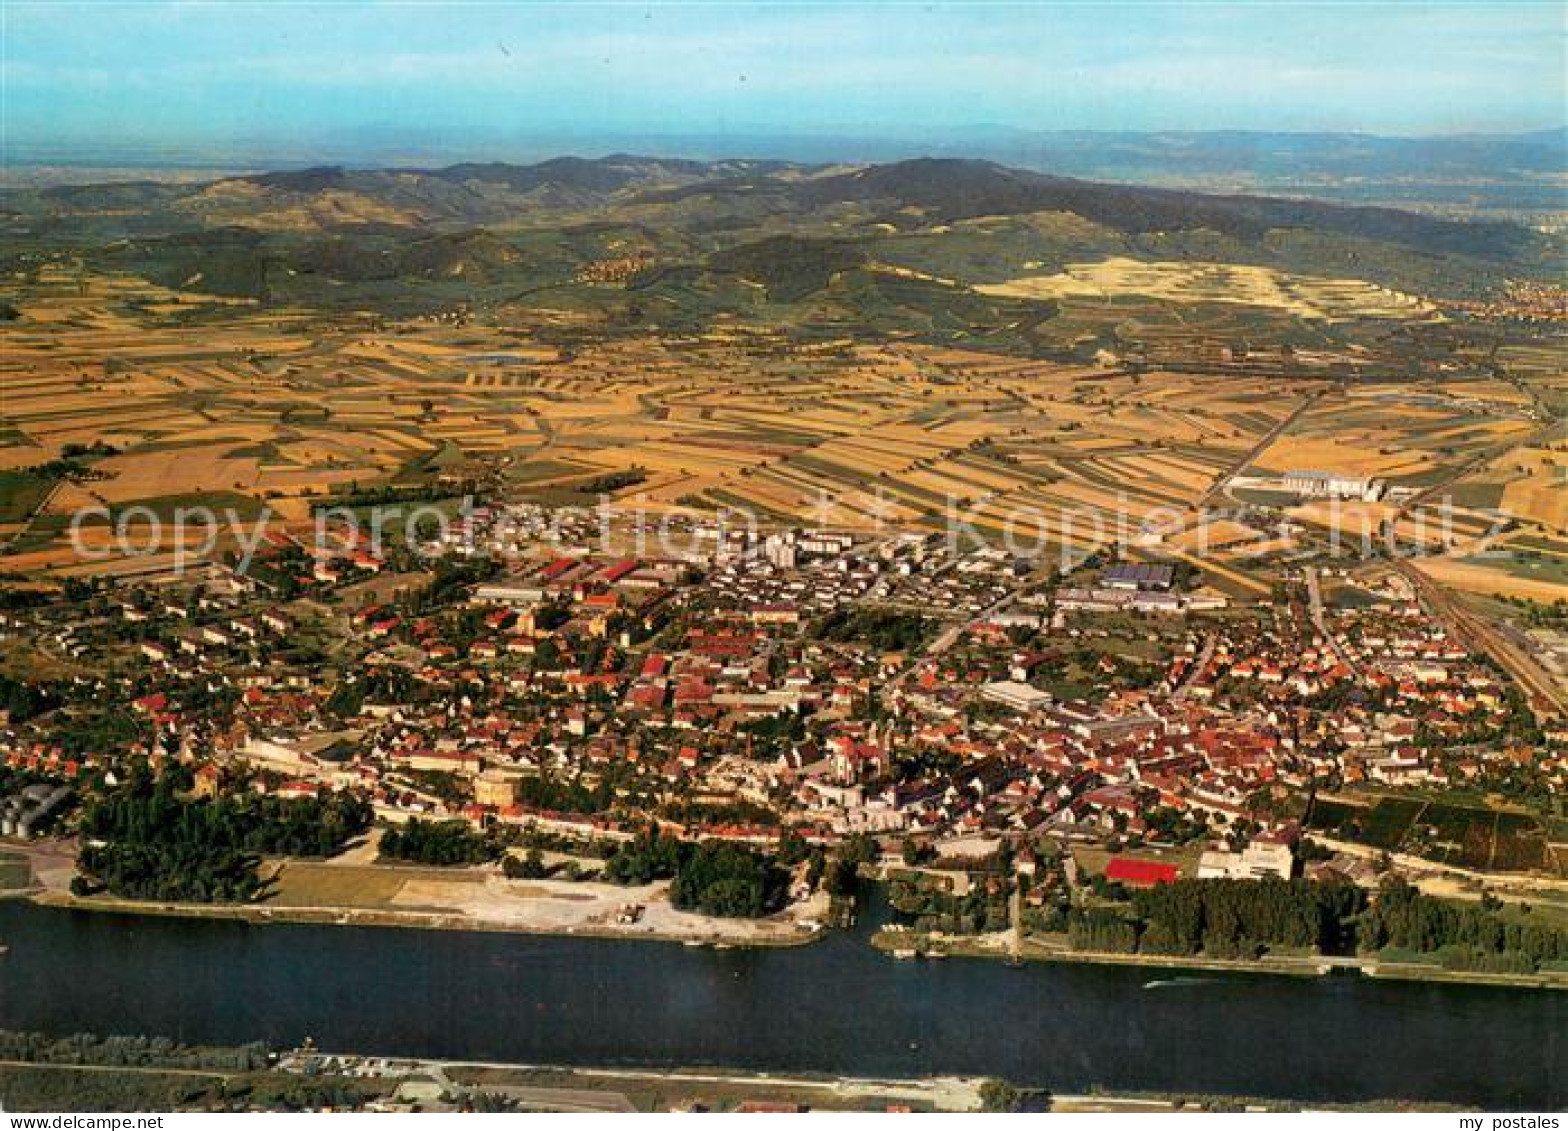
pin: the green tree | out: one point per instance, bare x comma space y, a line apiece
997, 1095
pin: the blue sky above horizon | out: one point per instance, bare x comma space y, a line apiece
232, 74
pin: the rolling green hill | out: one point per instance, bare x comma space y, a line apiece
946, 248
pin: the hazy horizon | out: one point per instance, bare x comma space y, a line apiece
351, 83
979, 142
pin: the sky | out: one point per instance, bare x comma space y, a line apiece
79, 78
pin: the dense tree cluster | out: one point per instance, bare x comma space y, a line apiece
723, 879
613, 481
442, 843
123, 1051
685, 811
997, 1095
378, 685
146, 842
84, 1072
1082, 670
102, 725
1236, 918
1224, 919
358, 496
1243, 918
568, 795
450, 580
931, 907
1101, 928
24, 598
650, 857
23, 700
716, 879
886, 630
529, 866
1464, 935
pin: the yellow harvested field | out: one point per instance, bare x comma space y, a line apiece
1194, 282
1212, 566
1218, 535
1390, 437
1480, 579
157, 474
288, 407
1538, 490
1349, 516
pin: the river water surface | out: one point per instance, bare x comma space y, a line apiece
836, 1006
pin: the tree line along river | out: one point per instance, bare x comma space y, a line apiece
836, 1006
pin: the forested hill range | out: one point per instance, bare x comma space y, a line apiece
950, 249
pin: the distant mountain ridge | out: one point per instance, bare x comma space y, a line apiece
954, 243
1107, 154
942, 189
1508, 176
959, 189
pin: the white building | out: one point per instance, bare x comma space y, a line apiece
508, 593
1257, 861
1017, 696
1329, 485
779, 550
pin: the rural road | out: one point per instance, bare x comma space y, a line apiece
42, 507
1388, 529
1315, 599
1218, 487
1199, 666
952, 634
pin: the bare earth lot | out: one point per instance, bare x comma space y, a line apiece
481, 899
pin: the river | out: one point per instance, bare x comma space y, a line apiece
836, 1006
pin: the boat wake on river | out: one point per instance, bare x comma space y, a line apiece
1175, 983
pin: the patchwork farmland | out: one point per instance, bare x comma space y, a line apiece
186, 399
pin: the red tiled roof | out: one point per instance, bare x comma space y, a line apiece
556, 568
1141, 873
619, 570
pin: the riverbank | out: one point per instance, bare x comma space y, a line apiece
63, 1074
473, 899
477, 900
722, 935
902, 944
835, 1008
558, 1087
546, 1087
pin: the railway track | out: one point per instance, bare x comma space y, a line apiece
1545, 696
